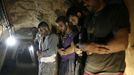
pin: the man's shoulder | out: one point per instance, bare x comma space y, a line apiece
118, 8
53, 35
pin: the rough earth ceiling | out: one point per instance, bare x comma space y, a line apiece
28, 13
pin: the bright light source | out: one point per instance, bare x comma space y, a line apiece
31, 48
11, 41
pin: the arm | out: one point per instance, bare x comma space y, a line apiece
121, 29
120, 40
70, 49
118, 43
52, 45
92, 48
67, 51
60, 51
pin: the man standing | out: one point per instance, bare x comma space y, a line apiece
76, 16
66, 47
108, 30
48, 50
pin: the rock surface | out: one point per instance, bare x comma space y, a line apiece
28, 13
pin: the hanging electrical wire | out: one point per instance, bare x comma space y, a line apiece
6, 23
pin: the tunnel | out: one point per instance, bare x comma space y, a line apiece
19, 21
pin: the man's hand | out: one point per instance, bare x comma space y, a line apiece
95, 48
61, 51
69, 50
39, 54
78, 51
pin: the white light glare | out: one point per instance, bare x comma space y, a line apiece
31, 48
11, 41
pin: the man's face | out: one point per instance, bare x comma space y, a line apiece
61, 26
91, 4
73, 20
43, 31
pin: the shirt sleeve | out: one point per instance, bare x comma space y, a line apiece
122, 18
52, 45
36, 42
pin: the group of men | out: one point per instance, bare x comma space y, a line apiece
91, 40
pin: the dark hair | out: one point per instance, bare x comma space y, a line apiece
61, 18
73, 11
54, 29
64, 20
43, 24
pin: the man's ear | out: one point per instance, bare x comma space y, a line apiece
78, 14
